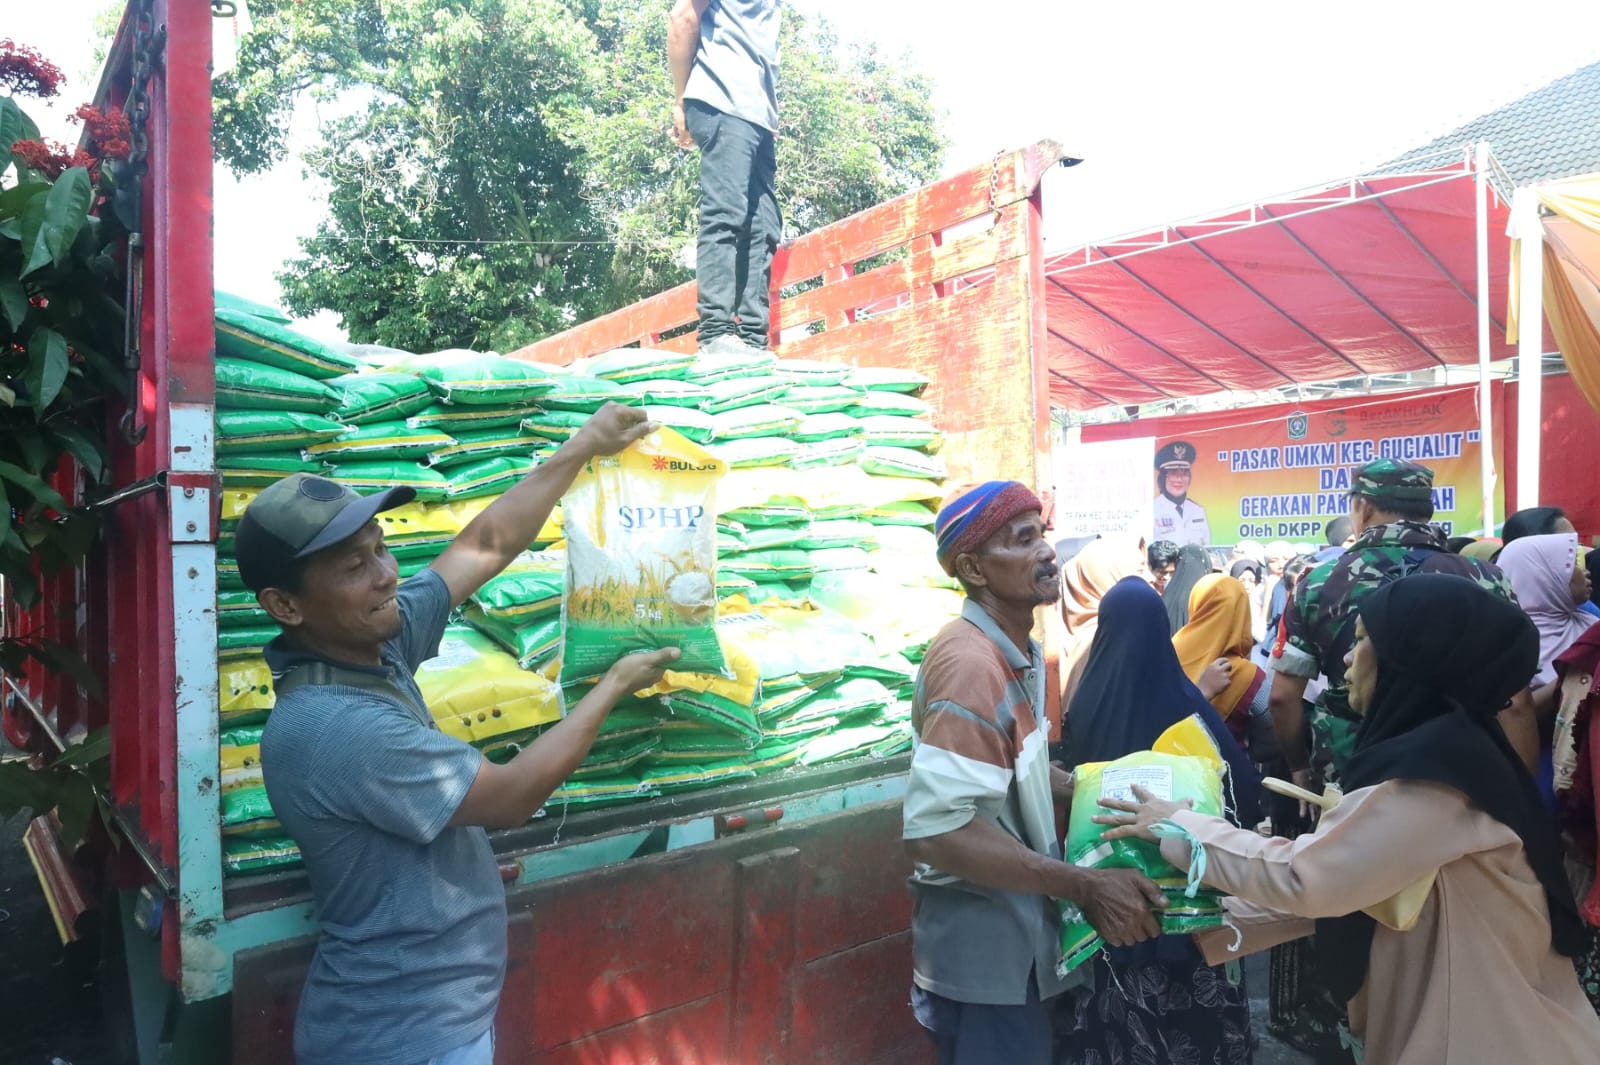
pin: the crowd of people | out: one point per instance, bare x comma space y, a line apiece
1428, 894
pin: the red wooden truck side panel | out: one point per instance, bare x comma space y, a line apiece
789, 945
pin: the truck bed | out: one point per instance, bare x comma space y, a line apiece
779, 944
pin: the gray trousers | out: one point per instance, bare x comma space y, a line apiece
739, 224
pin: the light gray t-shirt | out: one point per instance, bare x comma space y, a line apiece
736, 68
412, 952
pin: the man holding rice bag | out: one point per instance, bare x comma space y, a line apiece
389, 813
980, 802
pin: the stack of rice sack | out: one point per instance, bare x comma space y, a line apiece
829, 589
447, 425
273, 401
823, 536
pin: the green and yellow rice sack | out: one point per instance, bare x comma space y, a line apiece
257, 431
642, 558
1171, 777
379, 442
254, 386
374, 397
477, 692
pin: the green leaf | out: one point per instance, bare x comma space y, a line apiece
47, 367
13, 200
33, 485
111, 373
68, 541
66, 207
75, 806
13, 655
29, 224
25, 788
11, 119
59, 658
22, 585
87, 242
95, 747
13, 302
88, 452
36, 454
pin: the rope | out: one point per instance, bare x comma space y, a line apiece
1168, 829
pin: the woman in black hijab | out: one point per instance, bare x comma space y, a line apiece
1535, 521
1193, 563
1159, 994
1439, 811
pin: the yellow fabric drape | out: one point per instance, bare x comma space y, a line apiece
1571, 277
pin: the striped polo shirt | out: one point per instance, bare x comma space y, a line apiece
981, 752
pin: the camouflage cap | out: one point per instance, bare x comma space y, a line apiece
1393, 480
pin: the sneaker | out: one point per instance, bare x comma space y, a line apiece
728, 344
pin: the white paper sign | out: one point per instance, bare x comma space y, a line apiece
1117, 782
1104, 487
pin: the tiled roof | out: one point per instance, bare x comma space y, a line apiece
1553, 132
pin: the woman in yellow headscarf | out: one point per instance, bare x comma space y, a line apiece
1214, 650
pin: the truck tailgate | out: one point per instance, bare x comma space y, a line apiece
777, 944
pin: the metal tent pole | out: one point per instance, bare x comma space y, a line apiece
1527, 228
1485, 412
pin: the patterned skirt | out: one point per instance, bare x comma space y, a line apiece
1182, 1013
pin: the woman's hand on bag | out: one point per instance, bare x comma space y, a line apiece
1136, 820
1215, 677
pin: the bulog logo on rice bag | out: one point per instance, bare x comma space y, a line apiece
642, 558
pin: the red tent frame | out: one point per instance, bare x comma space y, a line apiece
1374, 275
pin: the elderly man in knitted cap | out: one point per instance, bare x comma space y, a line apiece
980, 802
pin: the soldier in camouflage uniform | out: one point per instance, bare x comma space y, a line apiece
1391, 510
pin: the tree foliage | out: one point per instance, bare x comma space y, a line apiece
61, 330
499, 169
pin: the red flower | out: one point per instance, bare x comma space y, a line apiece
108, 130
52, 159
24, 71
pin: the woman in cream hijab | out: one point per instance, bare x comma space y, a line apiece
1085, 580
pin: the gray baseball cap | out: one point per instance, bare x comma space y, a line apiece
298, 516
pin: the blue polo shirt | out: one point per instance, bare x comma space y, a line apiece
412, 950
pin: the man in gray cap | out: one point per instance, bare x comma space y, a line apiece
1177, 517
389, 813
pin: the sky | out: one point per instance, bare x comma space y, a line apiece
1178, 109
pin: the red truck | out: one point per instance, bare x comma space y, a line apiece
758, 922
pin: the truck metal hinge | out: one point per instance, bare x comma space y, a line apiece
746, 820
